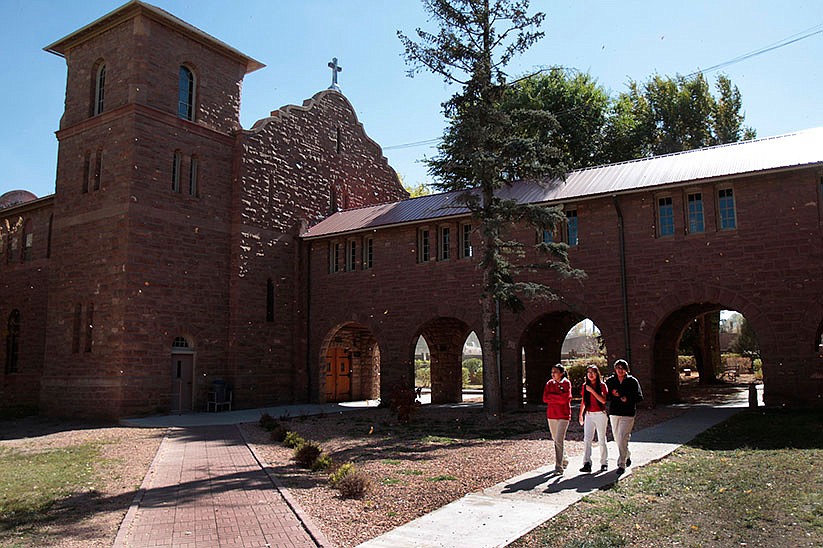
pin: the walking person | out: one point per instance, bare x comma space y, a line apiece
624, 393
593, 418
558, 396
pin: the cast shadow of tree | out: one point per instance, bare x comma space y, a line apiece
765, 429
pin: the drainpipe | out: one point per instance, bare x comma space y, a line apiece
309, 382
622, 252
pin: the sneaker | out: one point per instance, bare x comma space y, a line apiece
604, 467
620, 470
558, 470
587, 468
628, 462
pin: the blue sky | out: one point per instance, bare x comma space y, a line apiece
615, 41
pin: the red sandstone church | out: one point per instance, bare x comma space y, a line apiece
285, 260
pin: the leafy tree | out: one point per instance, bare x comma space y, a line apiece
672, 114
486, 147
416, 191
746, 343
579, 105
662, 115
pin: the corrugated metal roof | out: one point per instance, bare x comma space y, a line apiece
785, 151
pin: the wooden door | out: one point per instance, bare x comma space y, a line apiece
338, 375
182, 375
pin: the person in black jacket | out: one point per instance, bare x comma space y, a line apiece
624, 393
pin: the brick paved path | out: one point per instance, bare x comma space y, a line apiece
206, 489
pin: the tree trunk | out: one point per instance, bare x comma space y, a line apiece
707, 347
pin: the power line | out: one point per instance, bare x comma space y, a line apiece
802, 35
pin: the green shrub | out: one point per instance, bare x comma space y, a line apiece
354, 485
293, 439
307, 453
267, 422
422, 376
323, 462
475, 367
466, 376
278, 433
341, 472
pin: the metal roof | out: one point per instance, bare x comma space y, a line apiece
803, 148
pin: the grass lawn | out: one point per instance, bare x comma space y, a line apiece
32, 482
755, 480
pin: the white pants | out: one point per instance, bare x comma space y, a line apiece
622, 431
595, 421
558, 428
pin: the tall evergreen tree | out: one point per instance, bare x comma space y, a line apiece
486, 147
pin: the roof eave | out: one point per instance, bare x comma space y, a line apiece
136, 7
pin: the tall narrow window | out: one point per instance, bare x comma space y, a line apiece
695, 205
176, 166
368, 253
269, 300
99, 89
12, 341
89, 327
547, 235
185, 100
86, 172
423, 246
28, 242
351, 255
725, 208
48, 238
572, 229
334, 257
444, 244
466, 250
98, 168
665, 216
193, 177
76, 325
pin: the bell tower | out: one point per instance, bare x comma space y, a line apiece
142, 211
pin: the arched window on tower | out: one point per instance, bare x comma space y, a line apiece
12, 341
185, 98
99, 89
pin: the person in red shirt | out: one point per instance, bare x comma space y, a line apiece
558, 395
593, 418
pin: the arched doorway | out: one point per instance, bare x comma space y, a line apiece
351, 365
703, 344
445, 339
182, 375
542, 344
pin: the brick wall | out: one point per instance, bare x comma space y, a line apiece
23, 288
764, 269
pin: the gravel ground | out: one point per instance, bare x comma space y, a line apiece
412, 474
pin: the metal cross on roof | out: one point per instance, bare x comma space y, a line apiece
335, 68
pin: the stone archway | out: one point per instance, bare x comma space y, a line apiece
542, 342
445, 338
350, 358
